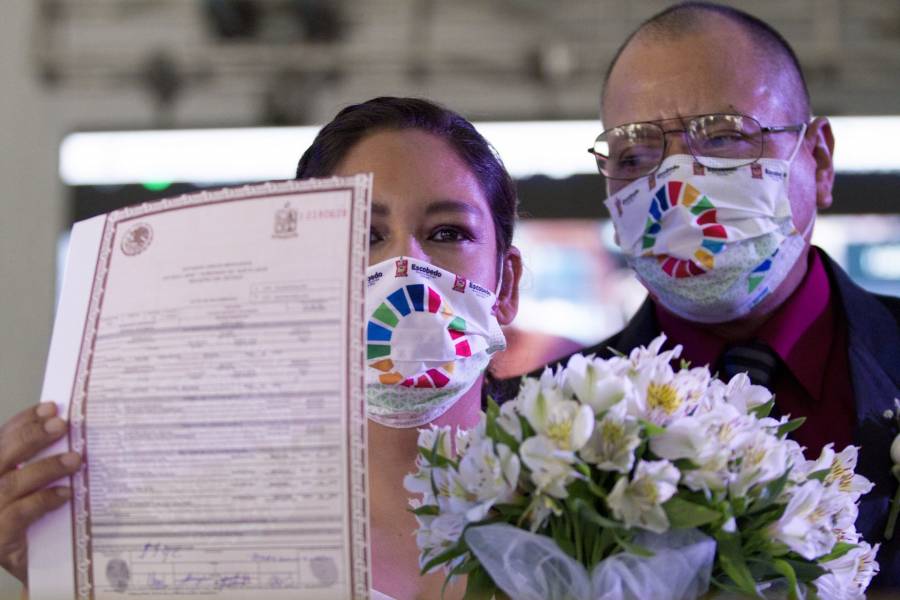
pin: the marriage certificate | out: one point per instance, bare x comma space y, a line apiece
208, 351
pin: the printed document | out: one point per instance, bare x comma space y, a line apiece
208, 352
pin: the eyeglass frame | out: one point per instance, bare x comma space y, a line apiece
799, 127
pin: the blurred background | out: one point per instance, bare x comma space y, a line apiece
111, 102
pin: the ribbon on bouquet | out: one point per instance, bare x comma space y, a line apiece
528, 566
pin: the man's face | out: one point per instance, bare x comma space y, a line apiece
719, 70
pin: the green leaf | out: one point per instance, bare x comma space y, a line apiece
511, 512
445, 556
436, 460
728, 587
479, 585
763, 410
770, 493
583, 469
839, 550
628, 546
495, 431
428, 510
602, 543
731, 559
527, 429
819, 475
788, 427
785, 569
683, 514
590, 513
685, 464
559, 535
806, 570
761, 568
652, 429
615, 352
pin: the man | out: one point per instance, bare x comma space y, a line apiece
709, 123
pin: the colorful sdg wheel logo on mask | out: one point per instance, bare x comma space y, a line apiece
402, 304
668, 197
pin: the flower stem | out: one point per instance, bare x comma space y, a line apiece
895, 507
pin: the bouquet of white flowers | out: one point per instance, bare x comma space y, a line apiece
628, 478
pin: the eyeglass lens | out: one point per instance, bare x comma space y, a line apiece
637, 149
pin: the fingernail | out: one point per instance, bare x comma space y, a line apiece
55, 426
46, 409
70, 460
64, 492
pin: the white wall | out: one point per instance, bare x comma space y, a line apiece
31, 212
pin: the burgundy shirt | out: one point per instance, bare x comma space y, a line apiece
809, 334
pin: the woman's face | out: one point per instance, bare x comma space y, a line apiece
427, 204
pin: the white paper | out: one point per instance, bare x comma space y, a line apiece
208, 352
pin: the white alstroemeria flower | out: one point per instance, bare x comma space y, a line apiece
763, 459
437, 534
551, 467
595, 382
849, 575
713, 397
452, 495
806, 526
540, 511
745, 396
566, 422
663, 395
841, 467
420, 481
845, 523
466, 437
695, 439
638, 503
687, 437
640, 357
611, 445
508, 419
488, 476
442, 436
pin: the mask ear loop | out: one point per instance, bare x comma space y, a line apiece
809, 226
798, 144
499, 287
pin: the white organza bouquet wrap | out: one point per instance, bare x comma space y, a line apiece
628, 478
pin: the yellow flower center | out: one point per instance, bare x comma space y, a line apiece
612, 432
663, 396
560, 433
754, 456
841, 474
646, 489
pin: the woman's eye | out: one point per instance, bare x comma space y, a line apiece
449, 234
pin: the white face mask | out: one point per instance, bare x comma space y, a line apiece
710, 245
429, 337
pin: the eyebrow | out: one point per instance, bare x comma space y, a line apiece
438, 206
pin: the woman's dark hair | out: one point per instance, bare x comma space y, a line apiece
355, 122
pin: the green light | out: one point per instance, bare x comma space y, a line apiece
157, 186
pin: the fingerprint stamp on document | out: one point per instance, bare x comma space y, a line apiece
118, 574
136, 239
324, 570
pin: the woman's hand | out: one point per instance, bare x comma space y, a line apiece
23, 498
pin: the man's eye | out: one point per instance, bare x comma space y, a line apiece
374, 236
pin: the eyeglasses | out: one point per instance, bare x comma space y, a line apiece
636, 149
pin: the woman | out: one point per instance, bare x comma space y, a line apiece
441, 197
